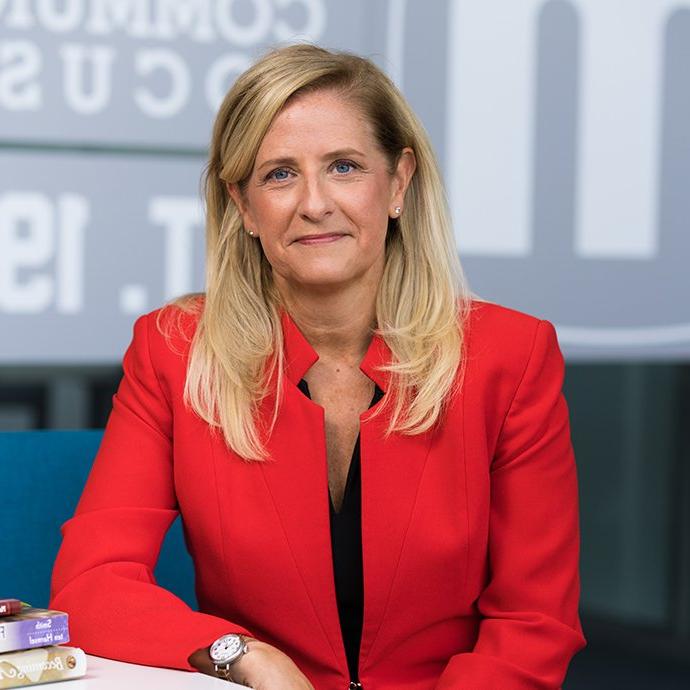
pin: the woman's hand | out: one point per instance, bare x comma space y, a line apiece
263, 667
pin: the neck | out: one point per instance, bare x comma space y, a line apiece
336, 323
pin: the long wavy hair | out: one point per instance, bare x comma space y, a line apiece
236, 351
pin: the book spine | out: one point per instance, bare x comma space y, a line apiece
43, 665
33, 632
10, 607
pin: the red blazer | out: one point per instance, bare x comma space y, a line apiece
470, 533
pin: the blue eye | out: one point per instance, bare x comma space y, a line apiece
343, 166
279, 175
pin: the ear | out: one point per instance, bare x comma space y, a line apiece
404, 170
236, 196
240, 202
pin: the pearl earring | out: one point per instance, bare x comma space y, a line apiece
397, 210
251, 233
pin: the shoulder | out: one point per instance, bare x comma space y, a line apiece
167, 332
488, 323
502, 341
486, 319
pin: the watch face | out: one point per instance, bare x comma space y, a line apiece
226, 648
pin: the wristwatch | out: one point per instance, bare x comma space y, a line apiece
225, 651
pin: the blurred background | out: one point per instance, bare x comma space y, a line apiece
563, 131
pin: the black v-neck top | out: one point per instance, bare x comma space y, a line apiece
346, 548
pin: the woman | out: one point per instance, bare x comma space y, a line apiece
374, 470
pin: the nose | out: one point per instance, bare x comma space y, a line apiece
315, 201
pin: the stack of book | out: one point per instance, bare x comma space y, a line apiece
32, 646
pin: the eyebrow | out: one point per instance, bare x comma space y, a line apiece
293, 161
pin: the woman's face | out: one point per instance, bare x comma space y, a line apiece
320, 195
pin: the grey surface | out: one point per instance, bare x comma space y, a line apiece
95, 255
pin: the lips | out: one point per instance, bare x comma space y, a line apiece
320, 239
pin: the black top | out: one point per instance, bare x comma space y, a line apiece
346, 547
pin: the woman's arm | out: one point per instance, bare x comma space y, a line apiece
263, 667
103, 575
530, 628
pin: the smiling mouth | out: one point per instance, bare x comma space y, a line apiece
320, 239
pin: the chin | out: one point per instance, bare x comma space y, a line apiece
325, 277
326, 280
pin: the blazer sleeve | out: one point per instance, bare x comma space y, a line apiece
103, 574
529, 628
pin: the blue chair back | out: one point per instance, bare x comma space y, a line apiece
42, 474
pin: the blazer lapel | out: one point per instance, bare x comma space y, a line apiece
297, 479
391, 474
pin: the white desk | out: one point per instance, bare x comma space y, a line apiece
106, 674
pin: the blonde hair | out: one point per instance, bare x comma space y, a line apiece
236, 353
